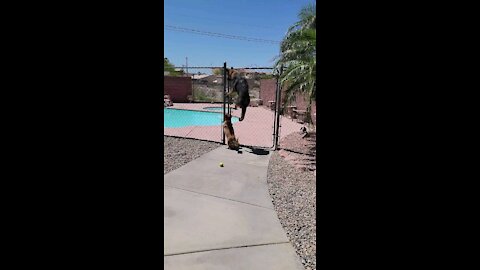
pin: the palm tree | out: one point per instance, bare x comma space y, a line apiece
297, 58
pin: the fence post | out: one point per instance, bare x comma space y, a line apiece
274, 134
193, 89
224, 97
277, 109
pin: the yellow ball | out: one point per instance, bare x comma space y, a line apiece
221, 164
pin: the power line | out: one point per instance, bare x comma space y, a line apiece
220, 35
224, 21
200, 32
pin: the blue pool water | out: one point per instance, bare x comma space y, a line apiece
184, 118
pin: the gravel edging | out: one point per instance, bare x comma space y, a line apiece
293, 194
301, 145
179, 151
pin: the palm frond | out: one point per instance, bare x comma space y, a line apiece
297, 55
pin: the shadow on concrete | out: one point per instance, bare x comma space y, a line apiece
256, 151
259, 151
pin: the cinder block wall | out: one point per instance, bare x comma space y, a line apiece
302, 103
267, 93
177, 87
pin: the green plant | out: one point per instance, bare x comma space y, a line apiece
217, 71
297, 58
169, 67
266, 76
200, 94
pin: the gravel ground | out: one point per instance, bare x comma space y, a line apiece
294, 196
295, 142
179, 151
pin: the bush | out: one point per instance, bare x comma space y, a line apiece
204, 95
217, 71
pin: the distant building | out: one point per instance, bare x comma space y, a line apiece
207, 79
200, 76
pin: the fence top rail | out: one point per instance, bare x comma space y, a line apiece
253, 68
184, 67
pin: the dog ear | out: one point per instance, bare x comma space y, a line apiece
231, 72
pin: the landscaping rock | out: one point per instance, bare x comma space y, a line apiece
293, 194
179, 151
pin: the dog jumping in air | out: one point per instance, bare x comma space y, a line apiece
230, 133
239, 86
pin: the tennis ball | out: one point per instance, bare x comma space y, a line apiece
220, 164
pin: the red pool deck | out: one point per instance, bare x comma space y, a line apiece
255, 130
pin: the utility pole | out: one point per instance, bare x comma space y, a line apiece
186, 64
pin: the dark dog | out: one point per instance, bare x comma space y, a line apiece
230, 133
239, 85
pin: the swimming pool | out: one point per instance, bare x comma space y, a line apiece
183, 118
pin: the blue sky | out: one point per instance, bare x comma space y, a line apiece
261, 19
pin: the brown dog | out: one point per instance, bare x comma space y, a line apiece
230, 133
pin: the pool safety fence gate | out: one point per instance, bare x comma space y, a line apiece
258, 129
261, 127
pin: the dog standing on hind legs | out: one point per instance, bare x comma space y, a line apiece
239, 85
232, 142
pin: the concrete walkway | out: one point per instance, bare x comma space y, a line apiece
223, 218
